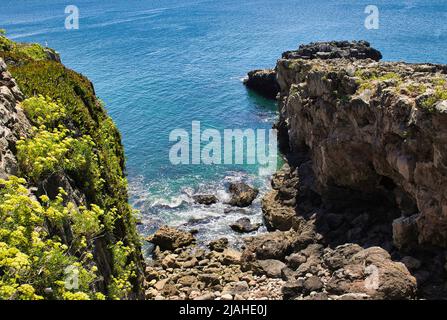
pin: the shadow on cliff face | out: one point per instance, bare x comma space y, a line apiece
343, 215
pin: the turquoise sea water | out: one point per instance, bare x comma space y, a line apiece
159, 65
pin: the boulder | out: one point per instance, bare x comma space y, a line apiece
313, 284
242, 195
170, 261
295, 260
231, 257
293, 289
372, 272
270, 268
218, 245
275, 245
279, 205
278, 216
206, 199
244, 225
167, 238
288, 274
187, 281
336, 259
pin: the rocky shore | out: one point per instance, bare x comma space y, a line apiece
358, 211
189, 272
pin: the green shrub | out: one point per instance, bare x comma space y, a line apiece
368, 79
31, 261
440, 93
43, 111
20, 52
120, 286
417, 89
52, 151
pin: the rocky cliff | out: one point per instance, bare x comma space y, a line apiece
365, 144
373, 131
13, 122
66, 229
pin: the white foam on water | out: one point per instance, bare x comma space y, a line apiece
179, 209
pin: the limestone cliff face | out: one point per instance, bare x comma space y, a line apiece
374, 132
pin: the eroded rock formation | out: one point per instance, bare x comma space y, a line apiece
373, 131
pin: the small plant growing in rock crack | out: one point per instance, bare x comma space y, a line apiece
440, 94
367, 79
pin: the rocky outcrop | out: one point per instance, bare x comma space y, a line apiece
373, 130
109, 251
263, 82
279, 204
369, 272
334, 50
346, 272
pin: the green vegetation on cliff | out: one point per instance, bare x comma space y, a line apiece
74, 138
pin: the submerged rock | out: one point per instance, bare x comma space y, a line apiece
206, 199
